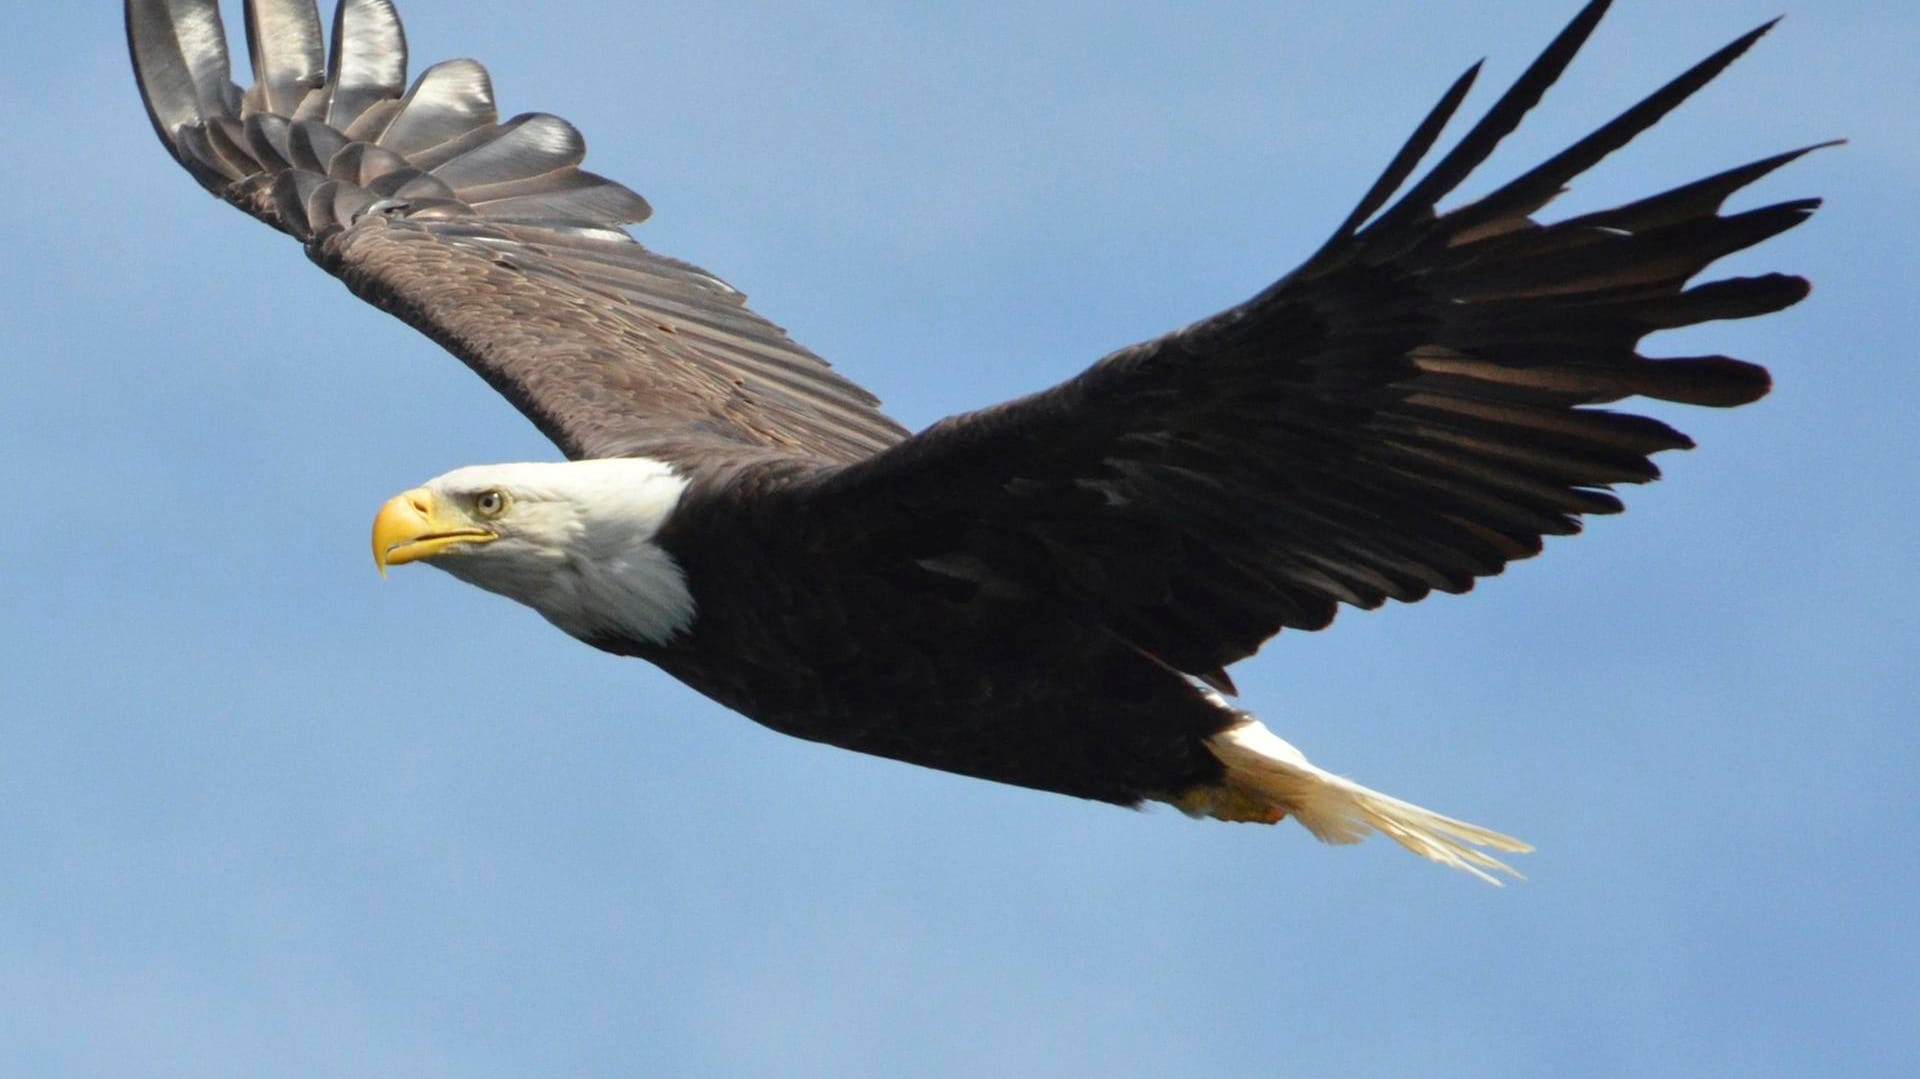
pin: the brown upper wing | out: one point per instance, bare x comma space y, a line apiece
486, 236
1408, 411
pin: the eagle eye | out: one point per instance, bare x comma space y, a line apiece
490, 503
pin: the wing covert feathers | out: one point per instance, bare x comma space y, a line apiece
1410, 410
334, 147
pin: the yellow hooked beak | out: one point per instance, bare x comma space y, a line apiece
415, 525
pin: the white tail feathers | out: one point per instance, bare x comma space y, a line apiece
1268, 780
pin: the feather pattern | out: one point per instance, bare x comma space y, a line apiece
1407, 412
482, 233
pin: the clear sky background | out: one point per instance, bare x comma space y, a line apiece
263, 814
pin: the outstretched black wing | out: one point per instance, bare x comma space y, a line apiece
486, 236
1408, 411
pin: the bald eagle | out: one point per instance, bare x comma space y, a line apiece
1047, 592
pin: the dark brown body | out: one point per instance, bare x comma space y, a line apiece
834, 637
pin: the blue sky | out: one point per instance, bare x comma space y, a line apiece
264, 814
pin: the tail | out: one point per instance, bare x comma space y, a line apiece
1269, 780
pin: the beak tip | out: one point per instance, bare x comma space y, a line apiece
409, 528
400, 519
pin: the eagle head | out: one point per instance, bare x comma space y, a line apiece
574, 540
